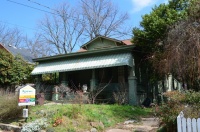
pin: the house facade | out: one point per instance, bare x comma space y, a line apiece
101, 62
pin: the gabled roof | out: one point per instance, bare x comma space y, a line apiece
111, 39
27, 56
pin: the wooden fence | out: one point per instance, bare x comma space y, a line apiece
187, 124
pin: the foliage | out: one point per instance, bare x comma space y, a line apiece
193, 98
54, 116
155, 24
21, 71
13, 70
188, 102
50, 78
35, 126
6, 62
9, 108
169, 111
78, 118
182, 49
193, 104
150, 36
194, 10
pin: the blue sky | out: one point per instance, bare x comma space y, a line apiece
26, 18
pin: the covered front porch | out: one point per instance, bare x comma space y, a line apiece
114, 71
114, 79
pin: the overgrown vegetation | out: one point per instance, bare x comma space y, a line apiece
169, 41
77, 117
188, 102
9, 106
181, 49
120, 96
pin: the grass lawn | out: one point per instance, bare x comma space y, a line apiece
74, 117
77, 117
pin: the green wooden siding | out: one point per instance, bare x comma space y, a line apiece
101, 43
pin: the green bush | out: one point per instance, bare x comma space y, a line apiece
9, 108
14, 70
188, 102
192, 99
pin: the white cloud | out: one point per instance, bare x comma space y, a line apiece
138, 5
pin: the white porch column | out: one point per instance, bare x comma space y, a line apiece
170, 83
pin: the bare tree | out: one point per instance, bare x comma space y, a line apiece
15, 37
3, 33
183, 52
11, 36
102, 18
37, 47
63, 30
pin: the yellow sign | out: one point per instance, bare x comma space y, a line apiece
26, 96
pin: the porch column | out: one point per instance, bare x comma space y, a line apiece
170, 83
93, 81
180, 86
132, 82
38, 82
63, 78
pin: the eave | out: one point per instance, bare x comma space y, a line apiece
116, 49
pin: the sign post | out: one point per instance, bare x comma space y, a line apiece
26, 97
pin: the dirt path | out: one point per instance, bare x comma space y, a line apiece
146, 125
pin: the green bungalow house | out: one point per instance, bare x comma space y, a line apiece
102, 61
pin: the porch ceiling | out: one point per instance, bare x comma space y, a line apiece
89, 62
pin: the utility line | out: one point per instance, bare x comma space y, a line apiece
58, 14
31, 7
43, 5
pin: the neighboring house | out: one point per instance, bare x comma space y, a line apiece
25, 54
99, 62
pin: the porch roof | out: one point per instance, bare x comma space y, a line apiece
87, 62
